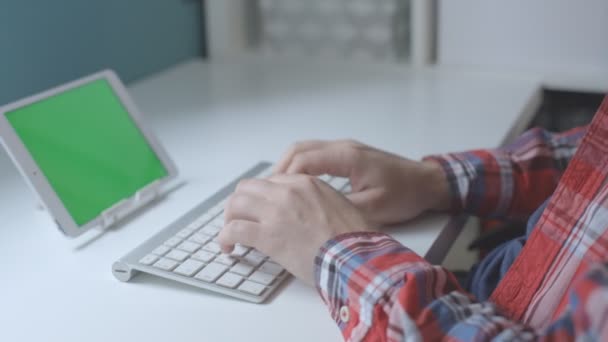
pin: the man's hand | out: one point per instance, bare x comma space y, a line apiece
386, 188
288, 217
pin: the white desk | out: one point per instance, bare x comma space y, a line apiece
217, 121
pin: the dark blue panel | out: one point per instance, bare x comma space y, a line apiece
44, 43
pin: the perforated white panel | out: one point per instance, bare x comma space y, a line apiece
354, 29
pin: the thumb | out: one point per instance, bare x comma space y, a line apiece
367, 201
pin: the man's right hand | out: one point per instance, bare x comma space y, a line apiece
385, 187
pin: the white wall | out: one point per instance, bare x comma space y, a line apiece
564, 41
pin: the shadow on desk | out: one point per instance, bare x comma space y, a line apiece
449, 231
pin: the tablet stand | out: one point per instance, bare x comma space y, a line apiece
123, 208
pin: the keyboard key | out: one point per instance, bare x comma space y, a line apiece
177, 255
251, 287
257, 254
165, 264
189, 267
214, 211
148, 259
200, 238
189, 246
211, 272
212, 247
211, 230
218, 222
242, 268
199, 222
161, 250
203, 255
230, 280
240, 250
338, 183
193, 226
225, 259
172, 242
326, 178
262, 278
254, 258
184, 233
271, 268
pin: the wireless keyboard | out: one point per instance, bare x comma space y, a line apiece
186, 251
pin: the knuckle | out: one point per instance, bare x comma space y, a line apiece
350, 148
351, 153
295, 147
234, 226
231, 229
304, 183
298, 162
239, 200
351, 143
234, 202
297, 159
241, 185
244, 184
229, 207
291, 150
293, 153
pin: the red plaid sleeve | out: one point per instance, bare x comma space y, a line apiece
378, 290
512, 181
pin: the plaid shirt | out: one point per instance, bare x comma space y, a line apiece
556, 289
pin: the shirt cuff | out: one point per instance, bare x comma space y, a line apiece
457, 178
355, 271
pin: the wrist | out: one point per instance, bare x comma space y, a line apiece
438, 186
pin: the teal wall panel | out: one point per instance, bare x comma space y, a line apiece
45, 43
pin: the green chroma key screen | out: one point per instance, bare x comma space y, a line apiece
88, 147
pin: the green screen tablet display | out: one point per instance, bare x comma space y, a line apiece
88, 147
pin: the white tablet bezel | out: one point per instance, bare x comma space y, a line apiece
41, 186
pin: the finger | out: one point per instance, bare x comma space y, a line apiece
296, 148
334, 159
239, 231
262, 188
246, 206
299, 181
281, 179
365, 201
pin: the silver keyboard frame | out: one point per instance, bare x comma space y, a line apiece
128, 266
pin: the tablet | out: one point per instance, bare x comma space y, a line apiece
84, 149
